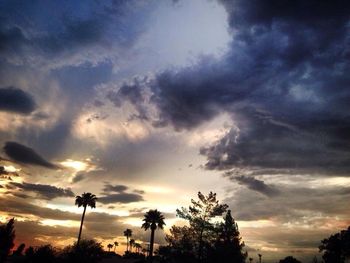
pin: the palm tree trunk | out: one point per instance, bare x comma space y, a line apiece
81, 226
151, 244
127, 243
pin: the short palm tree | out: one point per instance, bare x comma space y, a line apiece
153, 219
110, 246
115, 245
127, 234
86, 199
132, 244
138, 247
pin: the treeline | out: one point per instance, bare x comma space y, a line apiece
204, 239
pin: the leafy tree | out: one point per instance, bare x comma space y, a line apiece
88, 251
86, 199
19, 250
336, 248
228, 245
127, 234
200, 215
45, 253
181, 240
289, 259
153, 219
7, 237
29, 253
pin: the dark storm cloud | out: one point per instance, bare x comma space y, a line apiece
26, 155
290, 205
257, 185
132, 93
16, 100
114, 188
43, 191
74, 27
123, 198
284, 82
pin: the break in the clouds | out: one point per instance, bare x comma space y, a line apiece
16, 100
26, 155
284, 82
43, 191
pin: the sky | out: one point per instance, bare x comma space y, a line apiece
145, 103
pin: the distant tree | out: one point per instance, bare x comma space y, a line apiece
20, 249
336, 248
29, 253
86, 199
199, 216
109, 246
131, 244
115, 245
228, 245
127, 234
153, 219
89, 251
45, 253
250, 260
138, 247
289, 259
260, 256
7, 237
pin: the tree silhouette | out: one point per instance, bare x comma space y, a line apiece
153, 219
110, 246
336, 248
250, 260
289, 259
89, 251
228, 245
7, 237
127, 234
19, 250
138, 247
86, 199
199, 215
131, 243
115, 245
259, 257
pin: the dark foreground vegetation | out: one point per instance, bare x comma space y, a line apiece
202, 240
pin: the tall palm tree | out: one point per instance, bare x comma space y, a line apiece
115, 245
153, 219
127, 234
86, 199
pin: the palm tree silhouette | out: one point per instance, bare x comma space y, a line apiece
250, 260
86, 199
259, 257
115, 245
132, 244
110, 246
153, 219
138, 247
127, 234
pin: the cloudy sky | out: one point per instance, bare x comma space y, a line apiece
145, 103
